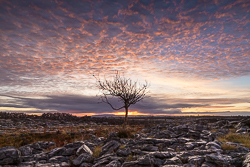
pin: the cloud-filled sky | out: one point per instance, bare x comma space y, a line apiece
195, 54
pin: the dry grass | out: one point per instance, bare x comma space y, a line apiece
97, 151
65, 135
234, 137
28, 138
226, 146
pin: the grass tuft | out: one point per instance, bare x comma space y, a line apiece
97, 151
234, 137
226, 146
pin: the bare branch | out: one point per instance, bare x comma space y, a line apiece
127, 91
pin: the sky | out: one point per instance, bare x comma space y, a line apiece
195, 54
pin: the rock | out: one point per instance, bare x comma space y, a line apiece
112, 134
196, 160
58, 159
173, 161
212, 145
84, 164
76, 144
193, 134
149, 147
130, 164
207, 164
146, 160
56, 152
25, 150
241, 130
123, 152
9, 155
114, 163
84, 149
27, 164
165, 134
84, 157
46, 144
110, 147
198, 127
179, 165
41, 156
221, 160
69, 151
246, 162
163, 155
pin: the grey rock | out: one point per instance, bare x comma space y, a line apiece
110, 147
207, 164
165, 134
41, 156
27, 164
196, 160
173, 161
246, 162
58, 159
146, 160
221, 160
69, 151
193, 134
84, 157
27, 158
112, 134
130, 164
84, 164
213, 145
84, 149
149, 147
114, 163
240, 130
56, 152
163, 155
46, 144
123, 152
9, 155
25, 150
76, 144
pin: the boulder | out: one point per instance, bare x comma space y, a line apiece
173, 161
84, 157
149, 147
146, 160
123, 152
114, 163
25, 150
110, 147
196, 160
84, 149
56, 152
246, 162
9, 155
213, 145
220, 159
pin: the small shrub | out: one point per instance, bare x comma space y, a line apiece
97, 151
124, 133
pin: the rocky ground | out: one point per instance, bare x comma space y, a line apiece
190, 142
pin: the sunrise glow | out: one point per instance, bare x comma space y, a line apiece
194, 54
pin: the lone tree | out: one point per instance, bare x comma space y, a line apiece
128, 92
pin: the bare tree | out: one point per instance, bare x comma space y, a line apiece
127, 91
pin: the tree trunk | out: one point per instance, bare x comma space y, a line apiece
126, 116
